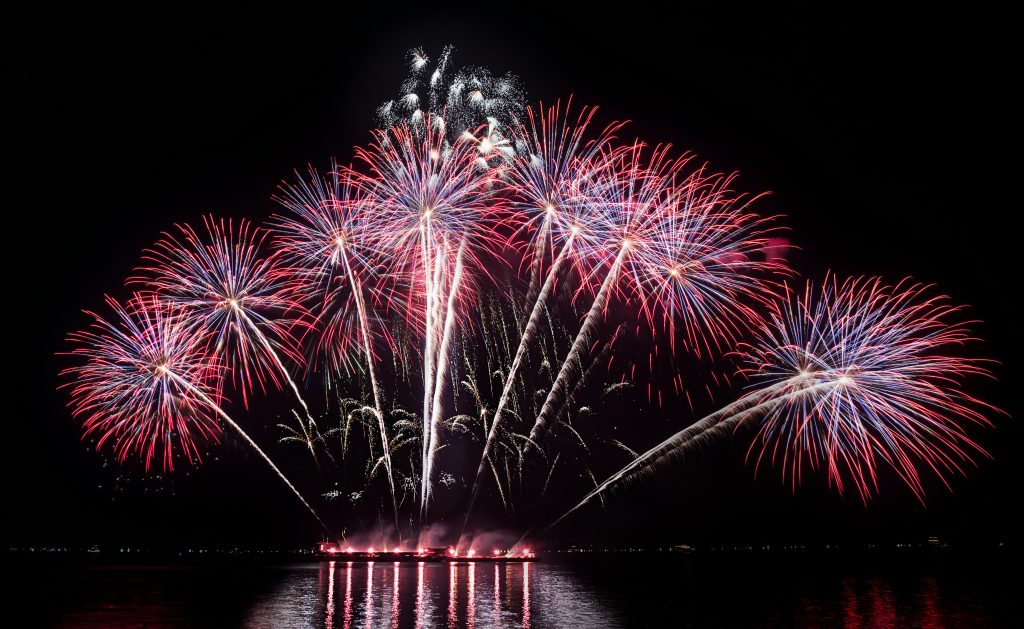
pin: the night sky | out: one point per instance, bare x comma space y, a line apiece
883, 139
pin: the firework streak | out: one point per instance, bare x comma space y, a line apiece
226, 283
326, 233
680, 245
126, 386
857, 373
479, 261
427, 194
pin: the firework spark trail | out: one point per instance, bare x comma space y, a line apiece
122, 395
428, 370
125, 389
223, 280
277, 359
305, 438
227, 419
378, 407
294, 387
434, 352
284, 371
427, 193
442, 364
678, 445
510, 378
540, 249
442, 354
573, 358
328, 231
859, 366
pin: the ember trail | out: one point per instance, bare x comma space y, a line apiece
473, 288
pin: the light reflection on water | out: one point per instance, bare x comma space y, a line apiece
711, 591
386, 594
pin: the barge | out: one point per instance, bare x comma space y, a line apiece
340, 552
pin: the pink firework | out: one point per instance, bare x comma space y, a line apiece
426, 197
328, 244
434, 208
555, 181
709, 270
148, 383
326, 240
850, 377
631, 217
236, 291
866, 374
123, 389
677, 245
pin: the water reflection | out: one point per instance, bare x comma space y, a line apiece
420, 600
368, 605
453, 586
404, 597
818, 592
348, 595
471, 598
496, 617
526, 595
394, 596
330, 596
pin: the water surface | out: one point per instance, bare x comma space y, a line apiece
701, 590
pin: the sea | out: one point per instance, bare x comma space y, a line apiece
591, 590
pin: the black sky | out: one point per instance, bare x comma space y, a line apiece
885, 140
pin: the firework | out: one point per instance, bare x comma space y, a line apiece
888, 359
850, 377
329, 248
430, 200
233, 291
556, 180
454, 101
326, 240
707, 276
146, 382
477, 249
553, 182
675, 243
123, 395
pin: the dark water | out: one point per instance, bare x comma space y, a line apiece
701, 590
